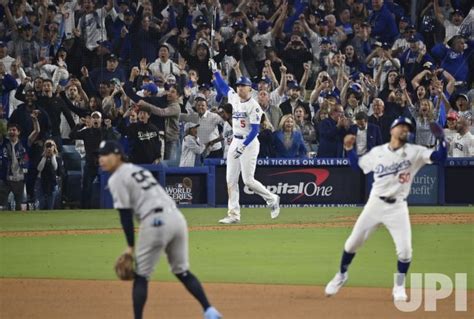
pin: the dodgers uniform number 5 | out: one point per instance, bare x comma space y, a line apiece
145, 179
242, 123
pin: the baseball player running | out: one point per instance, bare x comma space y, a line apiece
394, 165
244, 148
162, 227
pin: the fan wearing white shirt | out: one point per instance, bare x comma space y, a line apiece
463, 141
163, 65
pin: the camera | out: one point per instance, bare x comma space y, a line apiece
324, 79
295, 42
240, 34
49, 145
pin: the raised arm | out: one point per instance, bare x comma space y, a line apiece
221, 86
437, 12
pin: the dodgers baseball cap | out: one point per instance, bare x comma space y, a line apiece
293, 85
3, 44
402, 120
151, 87
243, 81
110, 147
106, 44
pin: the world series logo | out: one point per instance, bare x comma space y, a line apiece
181, 193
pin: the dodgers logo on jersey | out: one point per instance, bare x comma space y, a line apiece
384, 170
239, 115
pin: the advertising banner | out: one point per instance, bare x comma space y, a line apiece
424, 189
459, 174
187, 189
300, 186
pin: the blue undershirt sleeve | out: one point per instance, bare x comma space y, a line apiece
353, 159
126, 219
253, 133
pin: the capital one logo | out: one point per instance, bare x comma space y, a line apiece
436, 287
298, 188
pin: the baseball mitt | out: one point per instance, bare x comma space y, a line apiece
124, 267
437, 131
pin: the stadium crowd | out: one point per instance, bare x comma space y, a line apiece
75, 73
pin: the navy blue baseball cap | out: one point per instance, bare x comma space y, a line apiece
243, 81
3, 44
128, 12
405, 19
111, 147
402, 120
106, 44
413, 39
294, 85
204, 86
326, 41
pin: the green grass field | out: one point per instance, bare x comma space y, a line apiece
307, 256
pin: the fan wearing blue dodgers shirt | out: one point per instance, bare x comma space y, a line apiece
244, 148
394, 165
135, 191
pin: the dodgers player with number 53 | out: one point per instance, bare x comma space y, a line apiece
163, 228
244, 148
394, 165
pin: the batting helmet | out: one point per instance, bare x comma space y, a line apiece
243, 81
111, 147
402, 120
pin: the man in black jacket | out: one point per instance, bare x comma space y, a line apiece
92, 133
144, 139
294, 100
54, 106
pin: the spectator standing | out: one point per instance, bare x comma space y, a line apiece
331, 133
382, 119
451, 131
192, 146
294, 100
144, 138
14, 166
383, 23
7, 84
368, 135
6, 59
49, 169
265, 137
303, 123
288, 140
208, 126
227, 132
272, 112
91, 27
454, 58
463, 140
92, 133
171, 114
163, 65
110, 72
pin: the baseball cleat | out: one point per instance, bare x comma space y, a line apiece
335, 284
212, 313
275, 208
399, 293
229, 220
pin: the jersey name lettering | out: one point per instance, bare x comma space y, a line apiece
382, 170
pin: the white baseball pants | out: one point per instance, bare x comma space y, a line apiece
246, 164
394, 216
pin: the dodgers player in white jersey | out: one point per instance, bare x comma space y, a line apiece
394, 165
244, 148
163, 228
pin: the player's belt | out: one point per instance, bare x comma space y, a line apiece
240, 137
153, 211
391, 200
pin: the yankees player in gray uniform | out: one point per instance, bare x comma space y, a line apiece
135, 191
394, 165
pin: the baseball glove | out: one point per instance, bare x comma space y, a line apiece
437, 131
124, 267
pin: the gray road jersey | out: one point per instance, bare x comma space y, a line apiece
133, 187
